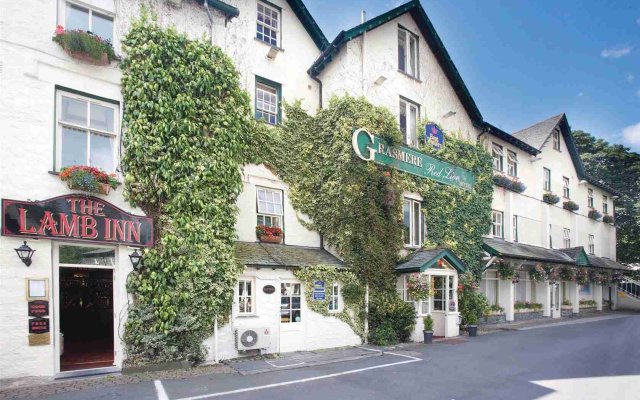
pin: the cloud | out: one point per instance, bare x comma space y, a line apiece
617, 51
630, 78
631, 134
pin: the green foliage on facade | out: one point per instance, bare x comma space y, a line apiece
351, 290
187, 131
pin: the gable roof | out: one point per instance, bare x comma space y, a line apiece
423, 259
499, 133
309, 23
282, 255
431, 37
578, 255
536, 136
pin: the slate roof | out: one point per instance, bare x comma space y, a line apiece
424, 258
603, 262
431, 37
497, 132
282, 255
502, 248
537, 134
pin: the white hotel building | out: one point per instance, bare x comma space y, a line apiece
57, 111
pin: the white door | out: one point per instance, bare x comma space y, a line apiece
291, 335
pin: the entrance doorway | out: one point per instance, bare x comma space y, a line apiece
86, 308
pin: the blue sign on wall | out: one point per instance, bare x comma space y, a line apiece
434, 136
318, 290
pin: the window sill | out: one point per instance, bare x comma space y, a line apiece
268, 44
247, 316
409, 76
57, 173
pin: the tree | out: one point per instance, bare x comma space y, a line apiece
619, 167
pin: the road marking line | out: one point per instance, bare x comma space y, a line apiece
315, 378
162, 394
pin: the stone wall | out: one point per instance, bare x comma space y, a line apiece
528, 315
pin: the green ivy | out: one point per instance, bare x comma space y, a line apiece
351, 290
188, 128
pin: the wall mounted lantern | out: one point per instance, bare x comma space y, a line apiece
136, 259
25, 253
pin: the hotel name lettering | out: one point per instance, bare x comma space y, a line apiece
372, 148
74, 217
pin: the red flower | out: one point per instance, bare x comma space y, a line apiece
59, 30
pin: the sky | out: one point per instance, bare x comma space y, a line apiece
525, 61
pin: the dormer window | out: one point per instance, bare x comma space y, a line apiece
556, 140
268, 24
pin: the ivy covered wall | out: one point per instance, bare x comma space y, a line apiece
187, 131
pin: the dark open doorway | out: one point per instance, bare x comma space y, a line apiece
86, 318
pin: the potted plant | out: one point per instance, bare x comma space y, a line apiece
88, 179
85, 46
427, 331
595, 214
550, 198
570, 205
608, 219
472, 325
269, 234
506, 182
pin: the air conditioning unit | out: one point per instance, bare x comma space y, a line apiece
253, 338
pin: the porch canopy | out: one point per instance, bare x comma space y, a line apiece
254, 254
606, 263
423, 259
525, 252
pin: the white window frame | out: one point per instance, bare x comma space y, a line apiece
566, 190
247, 298
291, 309
421, 307
547, 179
605, 204
514, 228
497, 223
405, 106
412, 219
276, 30
268, 92
512, 163
497, 153
335, 305
89, 131
592, 244
92, 9
590, 202
411, 61
266, 214
566, 238
495, 281
556, 140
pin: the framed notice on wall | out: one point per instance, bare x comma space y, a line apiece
37, 288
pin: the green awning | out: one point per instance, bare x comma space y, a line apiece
423, 259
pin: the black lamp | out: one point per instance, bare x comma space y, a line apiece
136, 258
25, 253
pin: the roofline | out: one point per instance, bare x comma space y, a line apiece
228, 10
309, 23
493, 252
431, 37
499, 133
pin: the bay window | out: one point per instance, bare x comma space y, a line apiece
86, 132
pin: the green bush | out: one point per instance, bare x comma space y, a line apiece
472, 306
388, 311
428, 323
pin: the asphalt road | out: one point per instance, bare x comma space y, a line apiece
593, 360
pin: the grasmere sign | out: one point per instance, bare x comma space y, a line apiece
370, 147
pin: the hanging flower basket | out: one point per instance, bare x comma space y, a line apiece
550, 198
269, 234
85, 46
595, 214
582, 276
509, 183
608, 219
506, 271
568, 274
551, 273
88, 179
537, 274
418, 287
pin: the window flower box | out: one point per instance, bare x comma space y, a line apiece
595, 214
550, 198
269, 234
608, 219
570, 205
509, 183
88, 179
85, 46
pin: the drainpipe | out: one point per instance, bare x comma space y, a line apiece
366, 314
206, 7
319, 93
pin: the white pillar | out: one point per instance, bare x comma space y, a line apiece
574, 296
597, 296
543, 291
506, 298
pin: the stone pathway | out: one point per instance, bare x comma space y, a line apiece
37, 387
